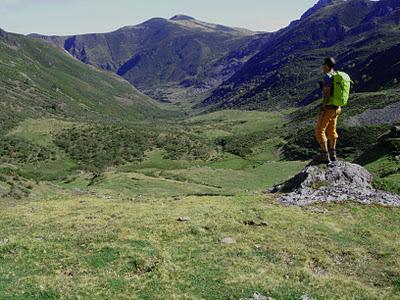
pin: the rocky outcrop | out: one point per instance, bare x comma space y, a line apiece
339, 181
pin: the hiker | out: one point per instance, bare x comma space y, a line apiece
328, 116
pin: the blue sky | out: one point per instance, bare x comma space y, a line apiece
63, 17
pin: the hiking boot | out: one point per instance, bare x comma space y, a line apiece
332, 154
322, 157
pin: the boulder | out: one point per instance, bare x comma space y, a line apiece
338, 181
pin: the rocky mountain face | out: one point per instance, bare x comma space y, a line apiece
362, 34
165, 57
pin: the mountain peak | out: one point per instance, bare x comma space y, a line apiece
319, 5
182, 18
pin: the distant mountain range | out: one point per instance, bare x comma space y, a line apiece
212, 67
184, 59
164, 58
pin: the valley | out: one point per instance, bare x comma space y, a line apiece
139, 163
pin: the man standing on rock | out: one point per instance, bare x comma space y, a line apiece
327, 118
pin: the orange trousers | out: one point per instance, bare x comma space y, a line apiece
325, 131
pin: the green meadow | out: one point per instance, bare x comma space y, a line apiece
70, 232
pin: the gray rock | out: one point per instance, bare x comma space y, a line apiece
306, 297
339, 181
184, 219
4, 241
257, 296
228, 240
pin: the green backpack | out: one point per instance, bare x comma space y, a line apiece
341, 88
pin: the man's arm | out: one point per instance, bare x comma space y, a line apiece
327, 95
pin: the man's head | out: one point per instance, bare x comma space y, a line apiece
328, 65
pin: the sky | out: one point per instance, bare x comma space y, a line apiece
64, 17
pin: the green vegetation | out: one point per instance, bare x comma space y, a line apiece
97, 147
22, 151
98, 217
237, 153
37, 79
386, 170
236, 122
180, 145
88, 247
12, 185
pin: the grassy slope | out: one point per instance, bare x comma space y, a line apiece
235, 123
119, 238
37, 79
387, 173
88, 247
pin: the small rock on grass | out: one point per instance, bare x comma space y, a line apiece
306, 297
257, 296
4, 241
228, 240
184, 219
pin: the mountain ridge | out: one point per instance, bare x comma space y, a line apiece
318, 6
166, 59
